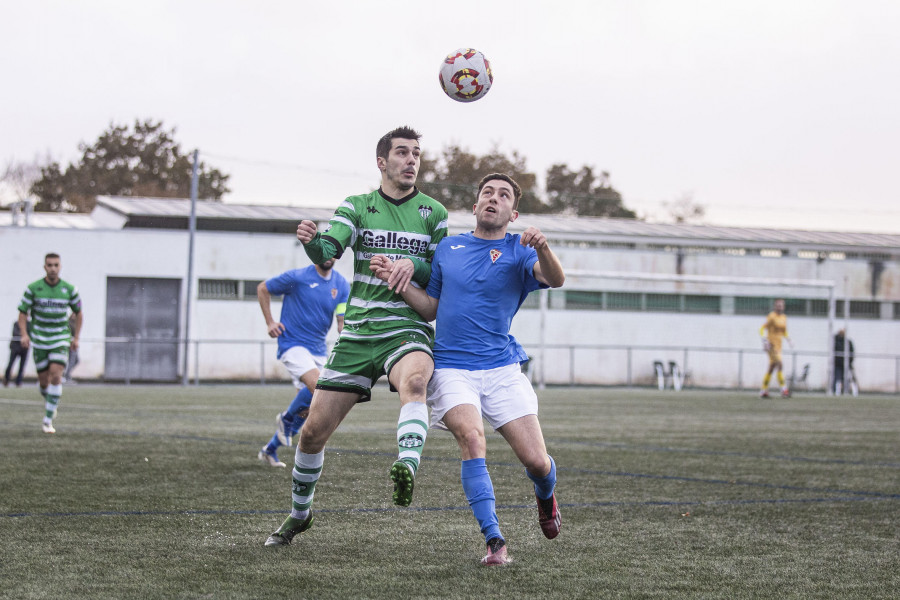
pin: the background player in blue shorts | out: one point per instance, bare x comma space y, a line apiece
311, 298
478, 282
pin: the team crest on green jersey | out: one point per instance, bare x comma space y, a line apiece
425, 211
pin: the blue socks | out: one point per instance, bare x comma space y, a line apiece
291, 419
543, 486
476, 483
300, 403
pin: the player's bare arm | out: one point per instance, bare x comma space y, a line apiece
382, 267
265, 303
76, 335
24, 339
306, 231
548, 269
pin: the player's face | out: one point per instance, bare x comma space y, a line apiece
494, 209
51, 267
326, 266
779, 306
401, 167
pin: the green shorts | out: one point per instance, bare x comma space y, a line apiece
356, 364
43, 357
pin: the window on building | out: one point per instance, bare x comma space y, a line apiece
864, 309
623, 301
818, 308
702, 304
532, 300
663, 302
219, 289
579, 300
250, 290
752, 305
228, 289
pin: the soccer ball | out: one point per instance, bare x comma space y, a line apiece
466, 75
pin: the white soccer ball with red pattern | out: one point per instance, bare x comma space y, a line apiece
466, 75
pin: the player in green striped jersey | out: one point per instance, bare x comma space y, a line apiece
49, 336
382, 335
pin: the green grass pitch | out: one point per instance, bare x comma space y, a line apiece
156, 492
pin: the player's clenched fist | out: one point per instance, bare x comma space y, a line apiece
534, 238
306, 231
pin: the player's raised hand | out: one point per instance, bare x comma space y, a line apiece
533, 237
306, 231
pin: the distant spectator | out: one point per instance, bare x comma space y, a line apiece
16, 350
840, 380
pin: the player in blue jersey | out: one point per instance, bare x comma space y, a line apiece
478, 282
312, 297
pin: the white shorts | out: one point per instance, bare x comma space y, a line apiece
501, 395
300, 361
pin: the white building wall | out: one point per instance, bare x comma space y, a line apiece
722, 350
234, 343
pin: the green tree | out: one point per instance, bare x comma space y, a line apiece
584, 193
143, 161
453, 176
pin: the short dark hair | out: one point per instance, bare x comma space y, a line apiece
384, 144
503, 177
51, 255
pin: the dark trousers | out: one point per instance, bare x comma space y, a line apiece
839, 377
22, 355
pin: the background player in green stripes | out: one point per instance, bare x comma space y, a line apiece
382, 334
49, 300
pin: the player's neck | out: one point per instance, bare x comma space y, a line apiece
391, 190
490, 234
323, 273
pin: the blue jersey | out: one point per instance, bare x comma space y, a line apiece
310, 303
486, 283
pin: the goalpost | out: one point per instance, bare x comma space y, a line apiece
816, 284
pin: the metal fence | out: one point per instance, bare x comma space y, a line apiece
699, 366
242, 360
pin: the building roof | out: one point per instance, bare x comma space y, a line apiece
168, 213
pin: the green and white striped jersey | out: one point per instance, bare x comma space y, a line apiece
49, 307
372, 224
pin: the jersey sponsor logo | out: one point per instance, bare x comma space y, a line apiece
425, 211
457, 247
411, 440
396, 240
495, 254
314, 285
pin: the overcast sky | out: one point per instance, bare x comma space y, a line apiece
777, 113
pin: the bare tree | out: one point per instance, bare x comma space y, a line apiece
17, 179
685, 210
